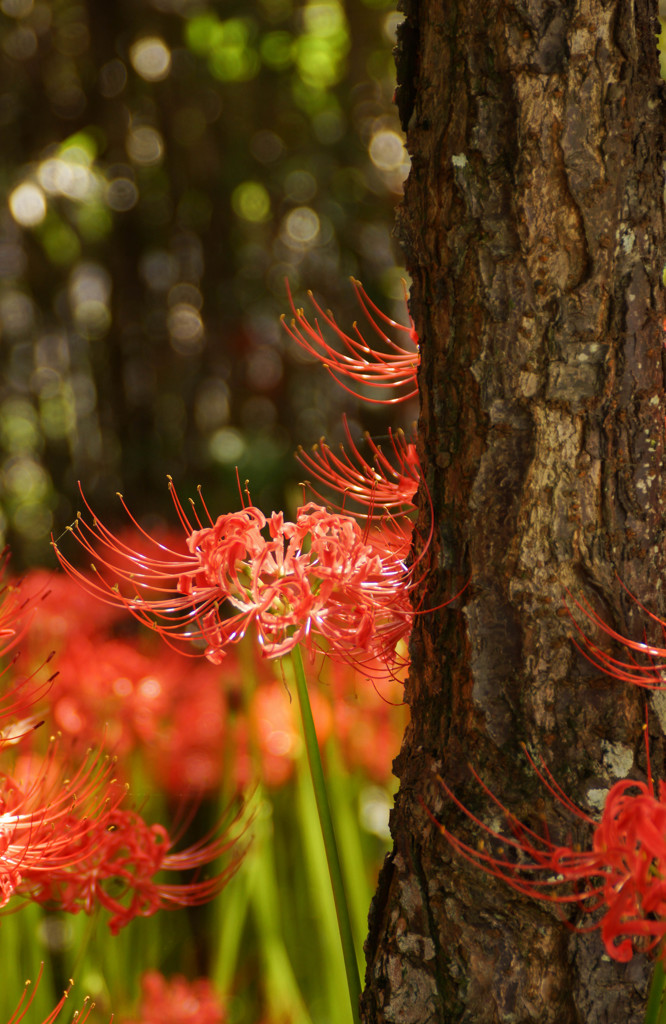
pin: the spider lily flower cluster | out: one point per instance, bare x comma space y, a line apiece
620, 880
178, 1001
130, 854
66, 842
320, 580
194, 728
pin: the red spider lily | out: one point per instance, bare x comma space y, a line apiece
49, 822
651, 677
178, 1001
621, 879
16, 615
320, 580
383, 483
393, 367
14, 705
125, 862
66, 841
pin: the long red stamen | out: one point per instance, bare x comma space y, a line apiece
378, 483
651, 676
358, 361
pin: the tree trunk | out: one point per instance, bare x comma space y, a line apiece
534, 233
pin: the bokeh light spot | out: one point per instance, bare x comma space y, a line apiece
122, 686
387, 150
300, 186
17, 313
158, 269
276, 50
151, 58
374, 810
121, 194
16, 8
21, 44
185, 328
66, 178
211, 408
301, 227
227, 445
266, 146
27, 204
33, 520
89, 294
19, 430
60, 242
25, 479
145, 145
250, 200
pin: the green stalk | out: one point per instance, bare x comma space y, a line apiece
328, 834
656, 1007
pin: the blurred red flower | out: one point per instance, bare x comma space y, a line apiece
177, 1001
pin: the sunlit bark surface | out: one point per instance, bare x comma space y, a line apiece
533, 229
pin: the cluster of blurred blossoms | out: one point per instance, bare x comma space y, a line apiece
69, 841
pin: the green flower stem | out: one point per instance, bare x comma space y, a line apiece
326, 822
656, 1007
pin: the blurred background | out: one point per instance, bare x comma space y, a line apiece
165, 166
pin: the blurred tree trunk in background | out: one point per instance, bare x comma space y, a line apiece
533, 228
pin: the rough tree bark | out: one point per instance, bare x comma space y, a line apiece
534, 233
